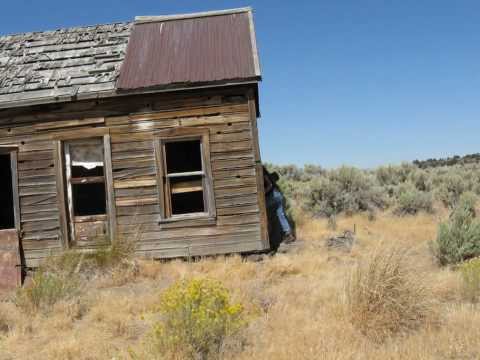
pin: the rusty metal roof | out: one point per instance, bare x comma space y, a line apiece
164, 53
191, 50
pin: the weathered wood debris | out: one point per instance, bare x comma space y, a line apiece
343, 242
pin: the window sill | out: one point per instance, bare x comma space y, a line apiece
187, 221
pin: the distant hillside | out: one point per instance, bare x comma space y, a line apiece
432, 163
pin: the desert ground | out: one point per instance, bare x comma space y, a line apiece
297, 302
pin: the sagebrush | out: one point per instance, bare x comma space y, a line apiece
458, 238
199, 316
406, 189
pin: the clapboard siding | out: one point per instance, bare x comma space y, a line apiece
132, 123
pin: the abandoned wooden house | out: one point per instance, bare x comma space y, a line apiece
144, 130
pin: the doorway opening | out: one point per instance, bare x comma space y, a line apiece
7, 213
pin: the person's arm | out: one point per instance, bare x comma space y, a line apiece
267, 182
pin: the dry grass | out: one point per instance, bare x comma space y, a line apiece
301, 297
384, 297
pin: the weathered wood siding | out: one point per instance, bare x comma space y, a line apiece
132, 122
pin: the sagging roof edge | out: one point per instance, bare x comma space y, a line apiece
117, 94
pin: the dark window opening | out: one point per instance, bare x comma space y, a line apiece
7, 216
85, 176
185, 177
186, 203
183, 156
89, 199
187, 194
80, 171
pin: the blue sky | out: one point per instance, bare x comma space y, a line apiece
345, 82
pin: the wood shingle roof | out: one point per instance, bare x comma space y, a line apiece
49, 66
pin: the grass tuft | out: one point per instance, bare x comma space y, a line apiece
383, 297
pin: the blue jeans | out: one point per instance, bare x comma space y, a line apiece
275, 204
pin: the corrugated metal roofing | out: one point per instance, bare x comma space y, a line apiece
190, 50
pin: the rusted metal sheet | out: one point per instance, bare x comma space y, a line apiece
190, 52
10, 269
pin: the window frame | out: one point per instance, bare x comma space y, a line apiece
84, 180
184, 134
66, 221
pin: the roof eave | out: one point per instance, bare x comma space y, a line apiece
121, 93
162, 18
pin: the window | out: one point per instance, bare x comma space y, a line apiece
7, 212
86, 188
85, 176
185, 176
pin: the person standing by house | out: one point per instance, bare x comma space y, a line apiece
275, 205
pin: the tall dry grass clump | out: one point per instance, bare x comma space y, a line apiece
384, 298
470, 273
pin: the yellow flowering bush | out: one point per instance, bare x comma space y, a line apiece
470, 271
198, 317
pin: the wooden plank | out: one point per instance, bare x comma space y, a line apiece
231, 147
143, 191
38, 199
132, 146
35, 165
234, 192
38, 190
234, 182
238, 219
33, 209
160, 172
16, 198
237, 210
232, 164
112, 211
234, 173
125, 184
250, 199
187, 187
259, 170
220, 137
38, 216
123, 174
138, 210
40, 225
135, 201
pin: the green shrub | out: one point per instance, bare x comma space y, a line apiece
45, 290
347, 189
410, 201
198, 318
451, 189
458, 239
420, 179
470, 271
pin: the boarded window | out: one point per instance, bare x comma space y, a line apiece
7, 215
185, 178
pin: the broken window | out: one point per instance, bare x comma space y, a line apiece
7, 214
186, 179
84, 161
